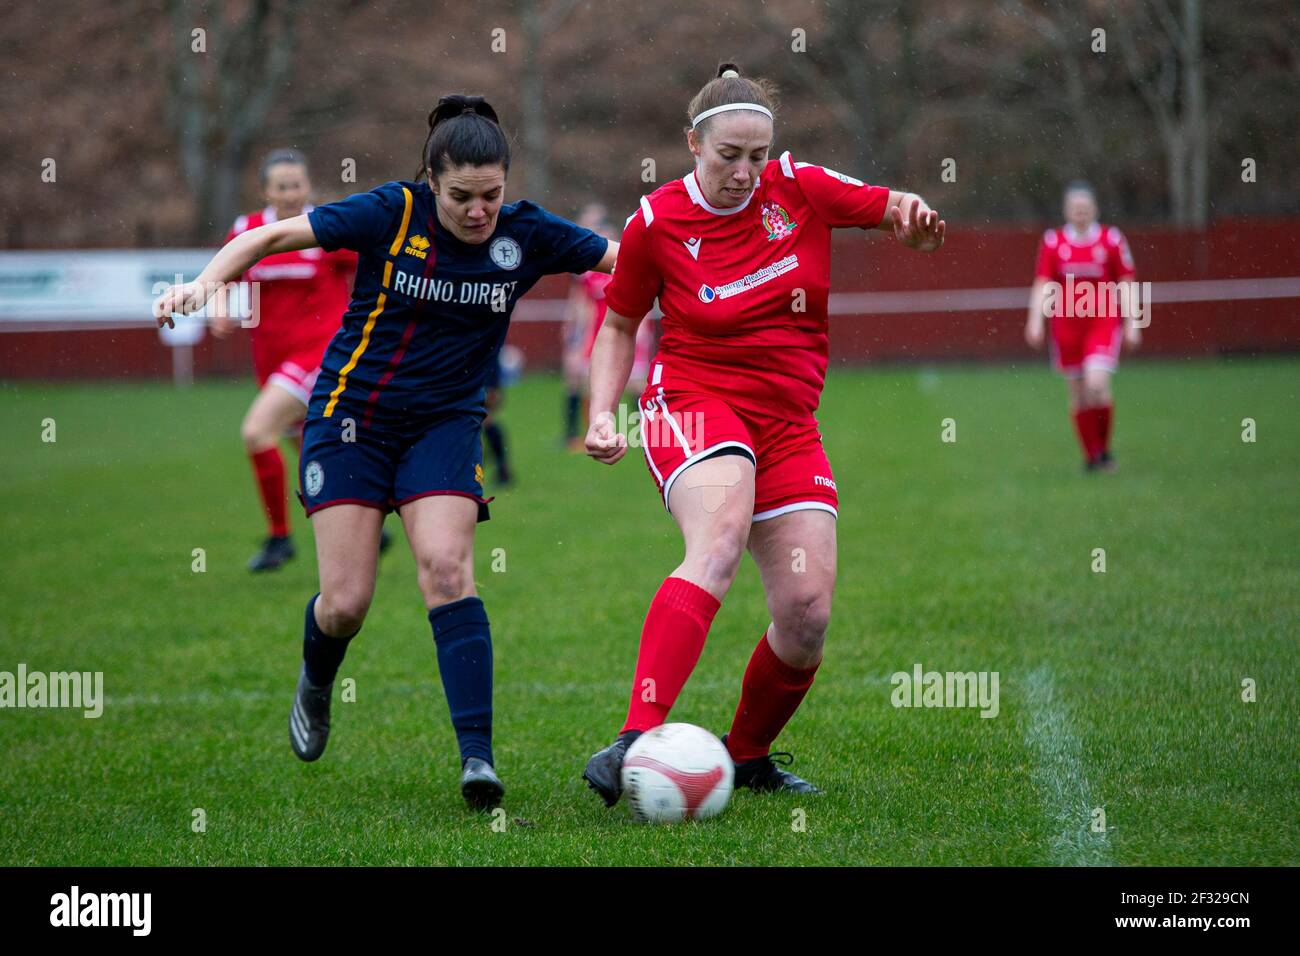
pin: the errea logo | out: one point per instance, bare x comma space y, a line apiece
417, 246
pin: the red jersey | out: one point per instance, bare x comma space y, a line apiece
744, 290
1099, 255
302, 295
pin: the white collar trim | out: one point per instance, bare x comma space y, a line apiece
1082, 239
269, 216
697, 196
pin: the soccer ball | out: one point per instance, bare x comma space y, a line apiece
676, 771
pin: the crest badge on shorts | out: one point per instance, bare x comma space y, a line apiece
314, 478
505, 252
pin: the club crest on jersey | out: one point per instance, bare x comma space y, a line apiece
314, 478
417, 246
706, 293
777, 221
505, 252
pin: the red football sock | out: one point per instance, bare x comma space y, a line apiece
769, 695
268, 468
671, 642
1083, 428
1104, 415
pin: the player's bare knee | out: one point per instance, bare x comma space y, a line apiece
445, 577
802, 619
720, 557
342, 612
256, 436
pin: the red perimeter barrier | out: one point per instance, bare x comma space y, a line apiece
966, 302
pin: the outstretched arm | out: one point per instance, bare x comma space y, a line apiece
606, 263
1035, 320
612, 357
1130, 310
913, 222
231, 261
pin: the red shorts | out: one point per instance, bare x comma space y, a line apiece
791, 469
1081, 343
294, 369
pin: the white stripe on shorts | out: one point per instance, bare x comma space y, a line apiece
795, 506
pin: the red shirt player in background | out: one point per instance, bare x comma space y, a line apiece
738, 253
587, 309
1081, 256
575, 333
593, 284
301, 300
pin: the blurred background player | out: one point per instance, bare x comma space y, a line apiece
493, 433
302, 296
396, 415
728, 422
579, 311
584, 314
1085, 338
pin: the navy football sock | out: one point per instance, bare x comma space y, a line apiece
464, 642
571, 415
496, 440
321, 653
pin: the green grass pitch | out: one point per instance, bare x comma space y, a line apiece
1119, 690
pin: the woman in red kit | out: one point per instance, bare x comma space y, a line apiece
301, 298
1079, 258
585, 313
738, 254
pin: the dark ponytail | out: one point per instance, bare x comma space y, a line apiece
463, 131
277, 157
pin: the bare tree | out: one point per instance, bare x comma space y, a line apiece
539, 19
1061, 25
838, 68
223, 81
1172, 85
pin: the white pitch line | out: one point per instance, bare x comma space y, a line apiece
1058, 773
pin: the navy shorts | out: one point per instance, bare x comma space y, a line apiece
386, 468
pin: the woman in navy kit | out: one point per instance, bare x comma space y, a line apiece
395, 416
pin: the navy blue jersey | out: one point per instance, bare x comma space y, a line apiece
429, 313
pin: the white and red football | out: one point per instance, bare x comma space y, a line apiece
677, 772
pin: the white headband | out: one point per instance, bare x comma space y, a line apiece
730, 106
